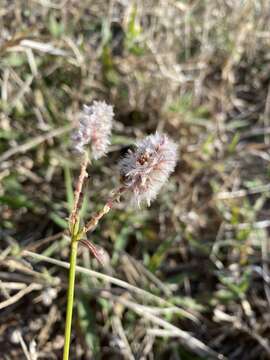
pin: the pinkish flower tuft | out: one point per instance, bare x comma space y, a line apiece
95, 125
145, 170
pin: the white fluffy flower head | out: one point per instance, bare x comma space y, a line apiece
95, 126
146, 169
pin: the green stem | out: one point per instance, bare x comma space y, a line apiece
70, 295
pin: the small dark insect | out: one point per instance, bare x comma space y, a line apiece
144, 158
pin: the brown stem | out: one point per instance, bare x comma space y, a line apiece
90, 246
77, 195
92, 223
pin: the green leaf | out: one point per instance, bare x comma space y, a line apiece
159, 255
87, 323
239, 288
58, 220
234, 142
69, 189
133, 32
8, 134
188, 303
121, 242
134, 28
16, 59
56, 28
16, 201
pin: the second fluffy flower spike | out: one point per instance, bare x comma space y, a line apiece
145, 170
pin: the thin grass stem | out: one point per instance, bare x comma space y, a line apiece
70, 296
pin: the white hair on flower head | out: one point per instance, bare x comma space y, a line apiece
95, 125
146, 169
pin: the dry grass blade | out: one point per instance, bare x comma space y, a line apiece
188, 340
23, 345
45, 331
118, 327
19, 295
204, 245
43, 47
145, 294
194, 344
23, 148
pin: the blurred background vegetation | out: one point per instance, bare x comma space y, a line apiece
198, 70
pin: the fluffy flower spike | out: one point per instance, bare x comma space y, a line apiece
95, 125
145, 170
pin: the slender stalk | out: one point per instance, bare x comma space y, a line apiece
76, 236
78, 191
92, 223
74, 223
70, 295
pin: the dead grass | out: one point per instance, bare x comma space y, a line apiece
198, 70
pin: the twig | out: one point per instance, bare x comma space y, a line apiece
224, 195
19, 295
43, 47
12, 285
45, 331
117, 324
24, 347
44, 241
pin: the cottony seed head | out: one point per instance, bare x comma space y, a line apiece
145, 170
94, 127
